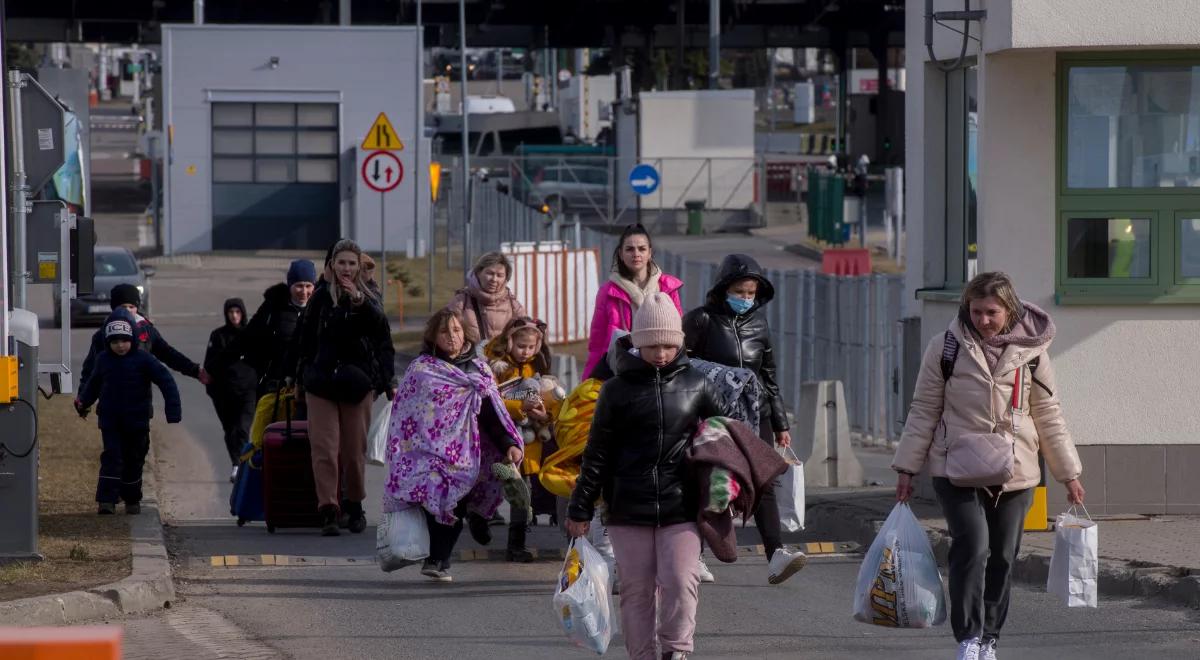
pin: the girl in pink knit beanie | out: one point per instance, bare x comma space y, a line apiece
644, 420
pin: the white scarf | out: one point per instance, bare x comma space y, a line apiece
637, 294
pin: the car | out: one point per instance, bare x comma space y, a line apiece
113, 266
565, 189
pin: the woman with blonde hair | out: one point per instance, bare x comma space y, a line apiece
485, 304
987, 382
346, 359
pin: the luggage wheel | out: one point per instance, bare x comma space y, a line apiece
241, 522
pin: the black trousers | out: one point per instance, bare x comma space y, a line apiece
443, 537
236, 412
985, 535
766, 517
121, 463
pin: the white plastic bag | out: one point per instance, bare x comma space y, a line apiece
377, 436
789, 493
581, 600
898, 583
402, 539
1075, 564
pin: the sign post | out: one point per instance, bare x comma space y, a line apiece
382, 172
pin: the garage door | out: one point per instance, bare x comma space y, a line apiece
275, 175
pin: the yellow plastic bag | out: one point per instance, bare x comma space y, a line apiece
270, 409
572, 425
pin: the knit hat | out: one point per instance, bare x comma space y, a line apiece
301, 270
657, 322
118, 328
125, 294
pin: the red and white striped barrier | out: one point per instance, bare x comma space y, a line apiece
557, 285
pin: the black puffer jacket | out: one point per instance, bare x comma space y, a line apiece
224, 360
714, 333
345, 350
643, 425
270, 338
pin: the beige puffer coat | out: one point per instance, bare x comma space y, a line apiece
497, 309
977, 399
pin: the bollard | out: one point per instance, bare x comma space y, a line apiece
822, 435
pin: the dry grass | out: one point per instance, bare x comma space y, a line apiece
412, 276
81, 549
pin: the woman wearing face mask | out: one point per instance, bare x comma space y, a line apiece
346, 359
486, 305
634, 278
449, 426
988, 373
732, 329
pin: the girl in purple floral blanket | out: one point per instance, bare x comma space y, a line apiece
446, 402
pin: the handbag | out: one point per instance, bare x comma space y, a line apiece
983, 460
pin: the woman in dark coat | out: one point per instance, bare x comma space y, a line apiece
232, 389
345, 360
732, 329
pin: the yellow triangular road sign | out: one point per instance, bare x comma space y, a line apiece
382, 136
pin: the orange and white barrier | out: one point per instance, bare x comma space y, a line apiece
557, 285
71, 643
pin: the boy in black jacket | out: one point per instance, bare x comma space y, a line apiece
234, 380
127, 297
121, 381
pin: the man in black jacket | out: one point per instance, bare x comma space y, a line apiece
233, 381
145, 334
269, 340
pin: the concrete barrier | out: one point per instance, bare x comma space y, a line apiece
822, 437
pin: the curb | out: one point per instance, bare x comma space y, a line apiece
148, 587
1175, 585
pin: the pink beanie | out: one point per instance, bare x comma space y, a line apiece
657, 323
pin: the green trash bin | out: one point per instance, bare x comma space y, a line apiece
695, 216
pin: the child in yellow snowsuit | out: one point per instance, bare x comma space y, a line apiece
520, 360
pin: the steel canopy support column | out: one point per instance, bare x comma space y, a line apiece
714, 43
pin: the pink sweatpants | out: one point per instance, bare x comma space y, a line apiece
657, 562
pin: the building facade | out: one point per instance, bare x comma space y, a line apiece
1065, 151
264, 126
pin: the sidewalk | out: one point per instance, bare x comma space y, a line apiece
1142, 556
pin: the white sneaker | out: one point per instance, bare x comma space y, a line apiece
784, 565
705, 574
969, 650
987, 649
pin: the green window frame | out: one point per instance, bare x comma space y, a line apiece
1171, 277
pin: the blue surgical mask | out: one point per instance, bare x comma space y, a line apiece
738, 304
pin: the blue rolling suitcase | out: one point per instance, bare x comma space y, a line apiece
246, 500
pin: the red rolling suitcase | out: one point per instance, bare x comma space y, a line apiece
289, 491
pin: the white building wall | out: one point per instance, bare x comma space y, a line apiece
367, 70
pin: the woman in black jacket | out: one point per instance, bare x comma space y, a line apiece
233, 380
643, 424
732, 329
345, 360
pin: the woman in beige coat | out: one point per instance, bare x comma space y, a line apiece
965, 389
486, 304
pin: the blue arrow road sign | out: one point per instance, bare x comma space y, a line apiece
644, 179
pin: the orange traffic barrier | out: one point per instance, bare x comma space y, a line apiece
93, 98
847, 261
77, 643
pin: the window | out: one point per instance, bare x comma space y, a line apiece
1128, 193
962, 175
275, 143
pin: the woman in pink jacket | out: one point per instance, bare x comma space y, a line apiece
634, 278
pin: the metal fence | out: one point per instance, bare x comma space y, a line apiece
824, 327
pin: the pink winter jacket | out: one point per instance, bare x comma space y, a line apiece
615, 311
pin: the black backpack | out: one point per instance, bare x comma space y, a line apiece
950, 354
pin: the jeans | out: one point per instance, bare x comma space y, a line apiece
985, 535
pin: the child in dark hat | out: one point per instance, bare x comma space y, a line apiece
234, 380
129, 298
121, 381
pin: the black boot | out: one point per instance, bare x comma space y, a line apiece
479, 528
516, 551
344, 514
329, 520
357, 519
